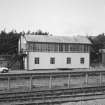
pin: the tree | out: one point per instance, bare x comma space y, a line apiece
40, 32
9, 42
98, 42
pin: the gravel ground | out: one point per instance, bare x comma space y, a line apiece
91, 102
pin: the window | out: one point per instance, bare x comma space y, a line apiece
52, 60
66, 47
57, 47
37, 60
68, 60
71, 47
82, 60
60, 47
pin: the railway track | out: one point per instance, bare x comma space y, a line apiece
51, 95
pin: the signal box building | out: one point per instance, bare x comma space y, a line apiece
103, 57
54, 52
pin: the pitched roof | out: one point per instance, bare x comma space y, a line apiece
57, 39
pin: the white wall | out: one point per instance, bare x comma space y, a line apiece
25, 63
60, 60
22, 43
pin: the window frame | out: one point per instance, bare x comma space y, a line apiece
82, 60
68, 60
52, 60
36, 60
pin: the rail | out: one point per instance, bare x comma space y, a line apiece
52, 96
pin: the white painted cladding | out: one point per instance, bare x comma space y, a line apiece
60, 60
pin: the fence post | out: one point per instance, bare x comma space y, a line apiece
30, 82
86, 79
69, 80
100, 80
50, 82
8, 83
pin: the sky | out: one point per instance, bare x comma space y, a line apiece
58, 17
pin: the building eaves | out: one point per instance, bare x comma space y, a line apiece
57, 39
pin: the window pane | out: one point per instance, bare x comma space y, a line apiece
82, 60
66, 47
52, 60
61, 47
55, 47
68, 60
37, 60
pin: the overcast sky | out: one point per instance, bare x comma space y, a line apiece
59, 17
